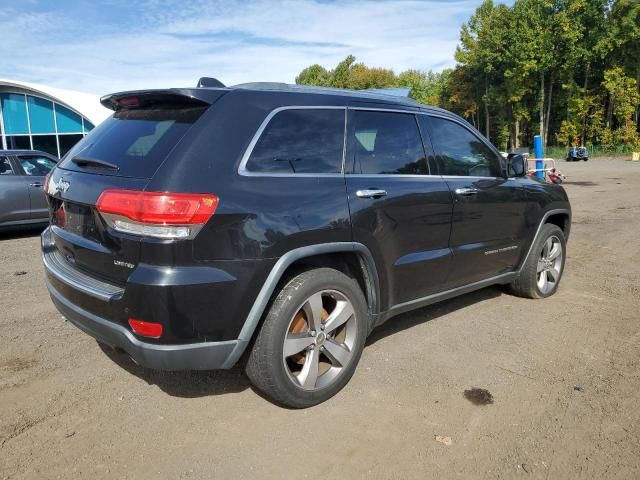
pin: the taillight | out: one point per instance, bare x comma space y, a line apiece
156, 214
146, 329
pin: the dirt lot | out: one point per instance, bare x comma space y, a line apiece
564, 374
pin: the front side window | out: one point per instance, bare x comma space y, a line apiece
5, 166
460, 152
300, 141
386, 143
36, 166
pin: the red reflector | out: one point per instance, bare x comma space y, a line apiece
60, 216
158, 207
146, 329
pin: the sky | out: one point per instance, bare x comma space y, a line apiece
113, 45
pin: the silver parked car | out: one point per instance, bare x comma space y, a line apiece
22, 174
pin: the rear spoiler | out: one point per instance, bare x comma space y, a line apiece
187, 97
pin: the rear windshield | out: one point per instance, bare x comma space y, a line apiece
134, 142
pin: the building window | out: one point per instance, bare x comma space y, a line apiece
18, 142
68, 121
46, 143
29, 121
14, 112
40, 115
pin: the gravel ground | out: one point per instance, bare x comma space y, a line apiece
563, 374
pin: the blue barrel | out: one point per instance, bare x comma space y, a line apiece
539, 154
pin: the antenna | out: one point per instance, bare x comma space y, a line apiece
210, 82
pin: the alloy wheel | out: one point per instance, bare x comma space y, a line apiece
320, 340
549, 265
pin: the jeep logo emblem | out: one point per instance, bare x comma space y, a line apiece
62, 186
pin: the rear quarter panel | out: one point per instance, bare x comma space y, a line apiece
258, 217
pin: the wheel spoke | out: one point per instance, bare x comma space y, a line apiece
553, 274
555, 252
340, 315
313, 310
540, 266
336, 353
547, 247
295, 343
309, 373
542, 280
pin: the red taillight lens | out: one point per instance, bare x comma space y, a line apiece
158, 207
146, 329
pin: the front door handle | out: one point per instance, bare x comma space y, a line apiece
371, 193
466, 192
36, 184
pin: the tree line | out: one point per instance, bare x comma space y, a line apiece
568, 70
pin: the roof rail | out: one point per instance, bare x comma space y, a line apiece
390, 94
402, 92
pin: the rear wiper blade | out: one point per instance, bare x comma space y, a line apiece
94, 162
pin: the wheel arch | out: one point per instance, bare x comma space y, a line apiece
560, 217
351, 254
562, 220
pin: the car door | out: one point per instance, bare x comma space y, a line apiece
488, 223
35, 168
14, 194
398, 210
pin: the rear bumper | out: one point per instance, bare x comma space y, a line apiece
192, 356
202, 306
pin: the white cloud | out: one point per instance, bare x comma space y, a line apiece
164, 44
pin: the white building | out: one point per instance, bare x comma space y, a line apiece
38, 117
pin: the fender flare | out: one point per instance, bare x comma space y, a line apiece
278, 270
547, 214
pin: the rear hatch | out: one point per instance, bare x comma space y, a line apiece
121, 155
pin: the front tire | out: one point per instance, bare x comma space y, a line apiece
311, 339
542, 271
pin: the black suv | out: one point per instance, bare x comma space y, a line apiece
283, 222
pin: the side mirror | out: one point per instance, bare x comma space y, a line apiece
516, 165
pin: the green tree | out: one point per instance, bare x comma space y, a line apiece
624, 99
568, 70
313, 75
426, 87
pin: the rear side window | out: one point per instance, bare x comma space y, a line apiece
460, 152
36, 165
300, 141
386, 143
135, 141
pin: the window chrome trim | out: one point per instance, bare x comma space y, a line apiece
477, 177
242, 168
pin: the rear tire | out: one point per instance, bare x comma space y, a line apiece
311, 339
542, 271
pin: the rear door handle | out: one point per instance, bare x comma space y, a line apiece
466, 192
371, 193
36, 184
